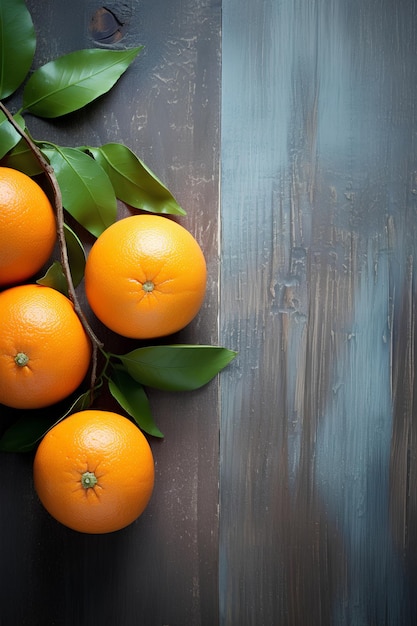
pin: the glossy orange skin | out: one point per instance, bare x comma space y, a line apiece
108, 445
41, 323
27, 227
134, 253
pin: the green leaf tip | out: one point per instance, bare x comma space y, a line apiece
176, 367
132, 398
54, 277
133, 182
31, 426
74, 80
9, 137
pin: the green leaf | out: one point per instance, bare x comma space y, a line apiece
74, 80
55, 278
21, 158
87, 193
133, 182
176, 367
30, 426
9, 137
24, 434
17, 45
132, 398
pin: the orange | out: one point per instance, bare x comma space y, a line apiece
44, 350
27, 227
94, 472
145, 277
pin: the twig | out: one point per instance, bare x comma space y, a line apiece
59, 212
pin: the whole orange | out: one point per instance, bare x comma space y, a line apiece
94, 472
44, 350
27, 227
145, 277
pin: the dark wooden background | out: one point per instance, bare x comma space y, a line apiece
286, 489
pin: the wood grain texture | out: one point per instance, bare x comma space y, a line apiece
163, 570
318, 450
318, 454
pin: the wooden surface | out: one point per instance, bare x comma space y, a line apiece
285, 491
162, 569
318, 440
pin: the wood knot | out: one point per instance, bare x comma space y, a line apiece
108, 24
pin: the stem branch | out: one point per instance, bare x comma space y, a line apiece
59, 212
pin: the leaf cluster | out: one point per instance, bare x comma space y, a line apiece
90, 180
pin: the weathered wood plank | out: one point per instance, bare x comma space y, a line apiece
318, 295
163, 569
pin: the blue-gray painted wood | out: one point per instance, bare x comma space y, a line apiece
317, 490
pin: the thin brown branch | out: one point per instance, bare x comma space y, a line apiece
59, 212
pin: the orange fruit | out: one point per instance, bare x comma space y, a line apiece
27, 227
44, 350
94, 472
145, 277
